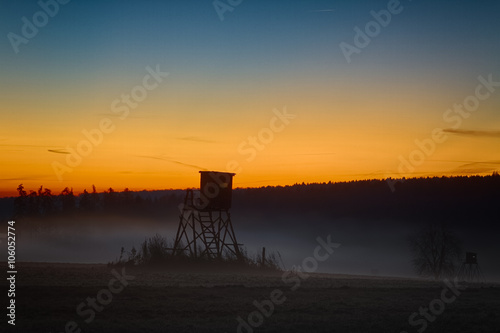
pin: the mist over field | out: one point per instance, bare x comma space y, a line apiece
366, 249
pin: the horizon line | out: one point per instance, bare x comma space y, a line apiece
494, 173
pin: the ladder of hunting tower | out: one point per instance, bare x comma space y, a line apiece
209, 234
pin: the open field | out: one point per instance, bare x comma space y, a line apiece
48, 295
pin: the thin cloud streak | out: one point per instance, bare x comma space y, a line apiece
35, 146
195, 139
489, 134
477, 167
27, 178
172, 161
479, 163
58, 151
321, 10
121, 116
311, 154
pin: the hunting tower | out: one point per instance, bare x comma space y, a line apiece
470, 271
205, 227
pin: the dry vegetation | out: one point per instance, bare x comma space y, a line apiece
165, 301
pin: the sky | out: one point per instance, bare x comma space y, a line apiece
144, 94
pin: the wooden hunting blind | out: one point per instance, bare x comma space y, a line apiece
205, 228
217, 187
471, 258
470, 271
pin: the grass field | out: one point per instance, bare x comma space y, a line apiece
48, 297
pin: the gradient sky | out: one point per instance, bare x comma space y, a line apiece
353, 120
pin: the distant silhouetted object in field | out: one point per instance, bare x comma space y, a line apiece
470, 271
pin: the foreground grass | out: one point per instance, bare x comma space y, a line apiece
157, 301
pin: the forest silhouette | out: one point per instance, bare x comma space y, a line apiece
460, 199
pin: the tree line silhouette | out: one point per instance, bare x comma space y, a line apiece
44, 204
463, 198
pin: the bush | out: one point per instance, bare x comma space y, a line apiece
155, 251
